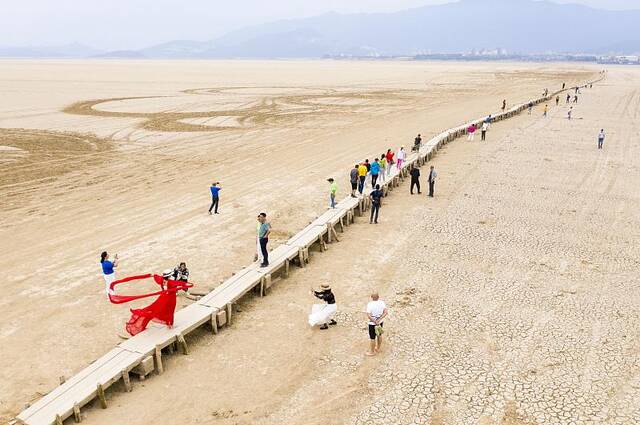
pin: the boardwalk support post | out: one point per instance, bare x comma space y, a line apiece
101, 397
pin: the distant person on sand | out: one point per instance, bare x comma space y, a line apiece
376, 313
383, 167
322, 314
557, 100
504, 105
362, 175
390, 161
471, 132
376, 203
215, 197
375, 172
575, 99
530, 107
546, 111
108, 271
415, 179
333, 189
483, 131
181, 274
353, 178
263, 234
601, 137
570, 113
563, 85
568, 98
432, 180
402, 155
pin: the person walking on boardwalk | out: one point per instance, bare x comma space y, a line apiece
530, 107
557, 100
415, 179
333, 190
376, 202
483, 131
601, 137
375, 171
575, 99
417, 143
390, 161
264, 230
432, 180
383, 168
471, 132
362, 176
546, 111
215, 197
402, 155
376, 313
353, 178
568, 98
108, 271
322, 314
570, 113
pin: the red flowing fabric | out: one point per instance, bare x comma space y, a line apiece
161, 310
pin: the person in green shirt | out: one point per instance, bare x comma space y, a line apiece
333, 189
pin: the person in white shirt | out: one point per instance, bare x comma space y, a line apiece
376, 312
601, 139
402, 155
483, 131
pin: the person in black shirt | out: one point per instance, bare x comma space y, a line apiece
376, 203
323, 315
181, 273
415, 179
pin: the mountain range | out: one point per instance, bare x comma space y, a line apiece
519, 26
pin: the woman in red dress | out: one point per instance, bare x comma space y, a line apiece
162, 309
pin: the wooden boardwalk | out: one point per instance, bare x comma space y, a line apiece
142, 353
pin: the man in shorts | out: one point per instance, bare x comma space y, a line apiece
376, 312
354, 180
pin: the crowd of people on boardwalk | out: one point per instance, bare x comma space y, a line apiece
364, 174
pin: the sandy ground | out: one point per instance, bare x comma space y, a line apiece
499, 306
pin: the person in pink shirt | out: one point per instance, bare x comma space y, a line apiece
471, 132
402, 155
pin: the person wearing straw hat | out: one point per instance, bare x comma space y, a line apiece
322, 314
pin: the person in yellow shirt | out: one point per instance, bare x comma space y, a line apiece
333, 189
362, 174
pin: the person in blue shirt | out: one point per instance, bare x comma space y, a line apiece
108, 271
264, 230
215, 197
375, 172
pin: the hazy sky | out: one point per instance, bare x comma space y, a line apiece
128, 24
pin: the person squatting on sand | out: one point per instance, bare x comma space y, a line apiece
376, 202
376, 312
322, 314
402, 155
108, 271
264, 230
333, 189
215, 197
471, 132
432, 180
353, 179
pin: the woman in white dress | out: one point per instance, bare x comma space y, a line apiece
322, 314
